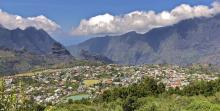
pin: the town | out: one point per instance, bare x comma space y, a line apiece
60, 85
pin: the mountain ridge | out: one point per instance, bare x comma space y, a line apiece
34, 40
28, 49
189, 41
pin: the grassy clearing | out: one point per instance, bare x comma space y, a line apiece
77, 97
91, 82
37, 72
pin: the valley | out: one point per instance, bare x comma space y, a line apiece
110, 55
55, 85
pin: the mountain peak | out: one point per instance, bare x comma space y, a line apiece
33, 40
131, 33
1, 26
31, 28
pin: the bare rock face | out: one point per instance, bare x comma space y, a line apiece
59, 50
94, 57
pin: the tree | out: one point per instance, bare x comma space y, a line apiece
130, 104
70, 101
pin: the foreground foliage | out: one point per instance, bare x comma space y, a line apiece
150, 103
151, 96
17, 100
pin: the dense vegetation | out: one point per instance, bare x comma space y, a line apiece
148, 95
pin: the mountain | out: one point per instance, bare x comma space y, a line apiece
14, 62
189, 41
23, 50
85, 55
30, 39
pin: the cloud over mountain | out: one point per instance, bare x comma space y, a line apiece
142, 21
11, 21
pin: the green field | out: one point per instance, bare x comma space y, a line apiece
78, 97
91, 82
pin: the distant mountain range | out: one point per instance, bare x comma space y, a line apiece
190, 41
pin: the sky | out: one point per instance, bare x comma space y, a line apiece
72, 21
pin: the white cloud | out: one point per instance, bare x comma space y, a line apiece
142, 21
11, 21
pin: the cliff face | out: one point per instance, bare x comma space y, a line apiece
85, 55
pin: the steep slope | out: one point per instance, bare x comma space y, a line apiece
85, 55
189, 41
13, 62
30, 39
23, 50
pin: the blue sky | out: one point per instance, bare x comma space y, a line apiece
69, 13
